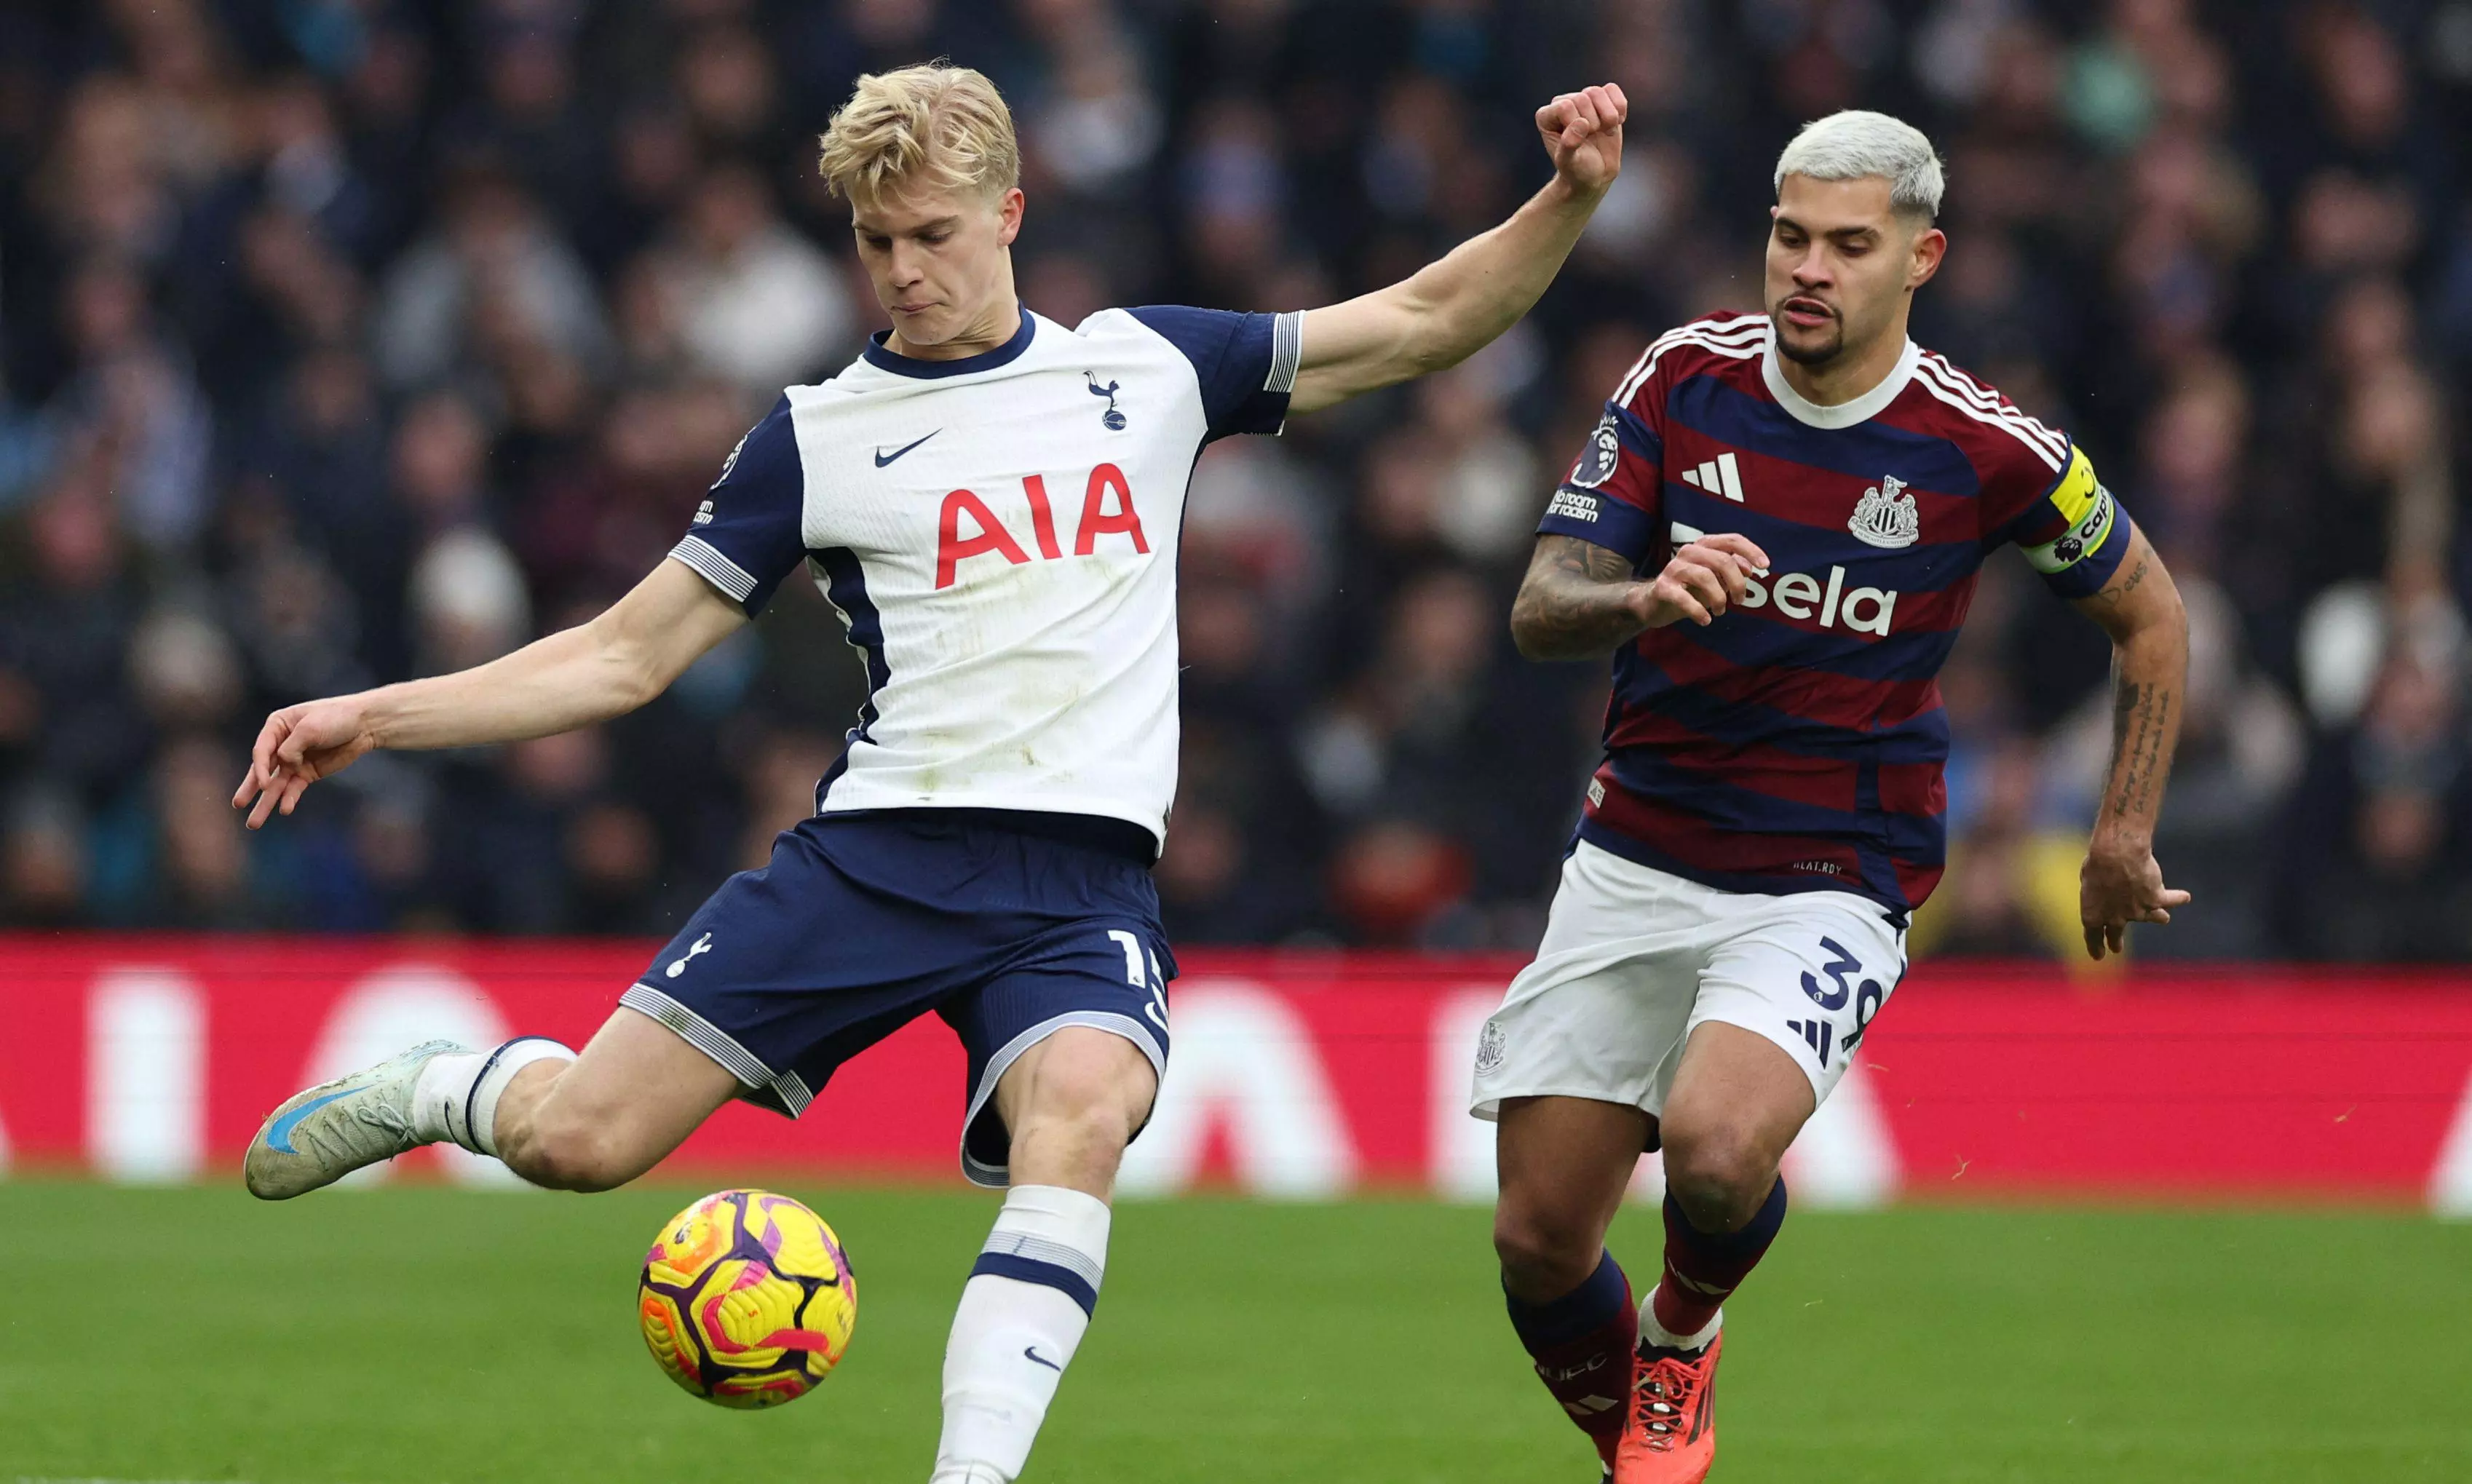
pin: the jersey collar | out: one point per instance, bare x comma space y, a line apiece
899, 364
1842, 414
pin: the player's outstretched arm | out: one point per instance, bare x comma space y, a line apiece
573, 678
2120, 883
1450, 310
1581, 599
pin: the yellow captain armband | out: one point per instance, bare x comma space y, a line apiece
2090, 511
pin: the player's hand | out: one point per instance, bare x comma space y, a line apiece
1701, 582
2119, 884
298, 745
1584, 136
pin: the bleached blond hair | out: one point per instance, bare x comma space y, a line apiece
1854, 145
934, 124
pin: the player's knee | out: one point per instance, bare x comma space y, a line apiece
1543, 1256
1089, 1121
1092, 1088
1718, 1174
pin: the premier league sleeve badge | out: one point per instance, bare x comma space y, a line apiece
1597, 461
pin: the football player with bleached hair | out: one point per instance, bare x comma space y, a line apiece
1775, 530
992, 502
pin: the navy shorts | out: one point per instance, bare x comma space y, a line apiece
1011, 926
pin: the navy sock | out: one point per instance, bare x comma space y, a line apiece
1581, 1344
1585, 1308
1702, 1268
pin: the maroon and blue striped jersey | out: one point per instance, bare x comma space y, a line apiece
1798, 742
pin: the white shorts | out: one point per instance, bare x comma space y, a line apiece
1634, 959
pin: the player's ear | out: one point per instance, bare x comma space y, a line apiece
1931, 247
1008, 209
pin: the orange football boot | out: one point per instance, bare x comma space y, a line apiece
1669, 1434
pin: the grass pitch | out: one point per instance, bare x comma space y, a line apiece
416, 1335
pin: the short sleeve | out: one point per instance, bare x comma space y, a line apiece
1610, 496
2072, 531
1247, 363
748, 535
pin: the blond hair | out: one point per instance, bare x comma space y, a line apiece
933, 125
1853, 145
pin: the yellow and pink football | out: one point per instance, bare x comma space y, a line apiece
748, 1299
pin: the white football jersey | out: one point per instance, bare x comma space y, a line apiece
1000, 534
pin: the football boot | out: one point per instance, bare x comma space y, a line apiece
1669, 1433
317, 1136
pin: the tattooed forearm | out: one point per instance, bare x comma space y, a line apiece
2152, 669
2140, 608
1574, 602
2144, 720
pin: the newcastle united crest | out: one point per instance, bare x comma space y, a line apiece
1887, 515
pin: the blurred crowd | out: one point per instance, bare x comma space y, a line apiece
343, 341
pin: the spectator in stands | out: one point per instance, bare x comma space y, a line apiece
44, 861
758, 305
493, 265
339, 342
2376, 860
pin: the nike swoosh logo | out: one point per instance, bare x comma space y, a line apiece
279, 1136
1036, 1358
882, 457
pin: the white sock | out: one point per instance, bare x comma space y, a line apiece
455, 1100
1657, 1334
1022, 1315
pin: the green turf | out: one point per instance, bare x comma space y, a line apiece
427, 1334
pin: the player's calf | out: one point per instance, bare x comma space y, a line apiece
1725, 1205
1669, 1434
1564, 1164
1580, 1344
1071, 1103
1702, 1269
1737, 1104
557, 1144
1026, 1305
602, 1118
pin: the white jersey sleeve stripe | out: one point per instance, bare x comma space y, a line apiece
1984, 398
1992, 406
1932, 385
714, 568
1629, 383
1972, 390
1738, 338
1728, 324
1741, 348
1697, 332
1287, 351
2047, 445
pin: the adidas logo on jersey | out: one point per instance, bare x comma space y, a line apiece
1798, 595
1820, 1035
1719, 475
